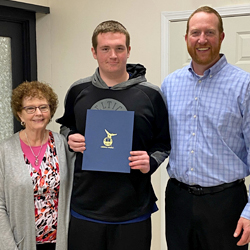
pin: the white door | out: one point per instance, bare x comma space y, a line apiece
236, 47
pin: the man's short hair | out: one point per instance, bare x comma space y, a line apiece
109, 26
207, 9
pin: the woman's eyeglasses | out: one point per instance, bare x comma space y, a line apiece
32, 109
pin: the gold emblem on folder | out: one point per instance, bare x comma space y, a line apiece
108, 141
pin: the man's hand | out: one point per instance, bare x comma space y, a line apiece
77, 142
139, 160
243, 224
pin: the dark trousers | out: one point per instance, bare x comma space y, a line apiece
46, 246
86, 235
205, 222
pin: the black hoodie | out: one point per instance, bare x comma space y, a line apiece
118, 197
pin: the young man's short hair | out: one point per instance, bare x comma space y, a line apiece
110, 26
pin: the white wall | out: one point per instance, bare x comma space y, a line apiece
64, 42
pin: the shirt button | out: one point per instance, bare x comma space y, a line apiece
199, 81
192, 151
192, 169
196, 98
211, 76
193, 134
194, 116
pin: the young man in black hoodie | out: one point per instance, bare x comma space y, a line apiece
110, 210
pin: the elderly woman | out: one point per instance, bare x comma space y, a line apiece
36, 171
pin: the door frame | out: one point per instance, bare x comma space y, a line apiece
28, 26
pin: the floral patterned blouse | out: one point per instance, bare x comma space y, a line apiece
46, 183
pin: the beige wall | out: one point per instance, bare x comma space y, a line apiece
64, 36
64, 42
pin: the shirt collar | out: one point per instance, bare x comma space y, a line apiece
214, 69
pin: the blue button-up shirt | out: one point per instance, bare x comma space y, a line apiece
209, 120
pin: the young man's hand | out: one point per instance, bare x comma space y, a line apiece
77, 142
139, 160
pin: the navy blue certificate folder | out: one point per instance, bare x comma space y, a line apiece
108, 137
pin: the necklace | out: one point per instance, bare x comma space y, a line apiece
36, 156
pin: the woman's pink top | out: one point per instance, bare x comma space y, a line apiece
46, 182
